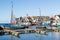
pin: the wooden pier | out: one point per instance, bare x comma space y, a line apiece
22, 31
28, 31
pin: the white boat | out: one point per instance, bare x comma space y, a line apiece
26, 24
54, 23
58, 23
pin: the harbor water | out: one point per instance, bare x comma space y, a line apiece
33, 36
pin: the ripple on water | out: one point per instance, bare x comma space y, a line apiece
50, 36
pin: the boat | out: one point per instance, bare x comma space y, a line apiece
58, 24
54, 24
26, 24
8, 25
1, 31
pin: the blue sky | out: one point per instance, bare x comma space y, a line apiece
22, 7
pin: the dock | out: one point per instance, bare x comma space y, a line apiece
42, 31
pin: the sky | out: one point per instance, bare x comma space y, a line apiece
32, 7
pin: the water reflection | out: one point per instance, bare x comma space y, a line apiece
33, 36
52, 36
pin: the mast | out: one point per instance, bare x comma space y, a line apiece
40, 12
11, 13
40, 17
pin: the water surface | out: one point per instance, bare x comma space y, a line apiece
33, 36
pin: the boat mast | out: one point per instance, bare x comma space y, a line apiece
40, 17
40, 12
11, 13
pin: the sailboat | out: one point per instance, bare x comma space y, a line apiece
12, 24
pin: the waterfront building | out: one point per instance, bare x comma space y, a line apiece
33, 20
55, 20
